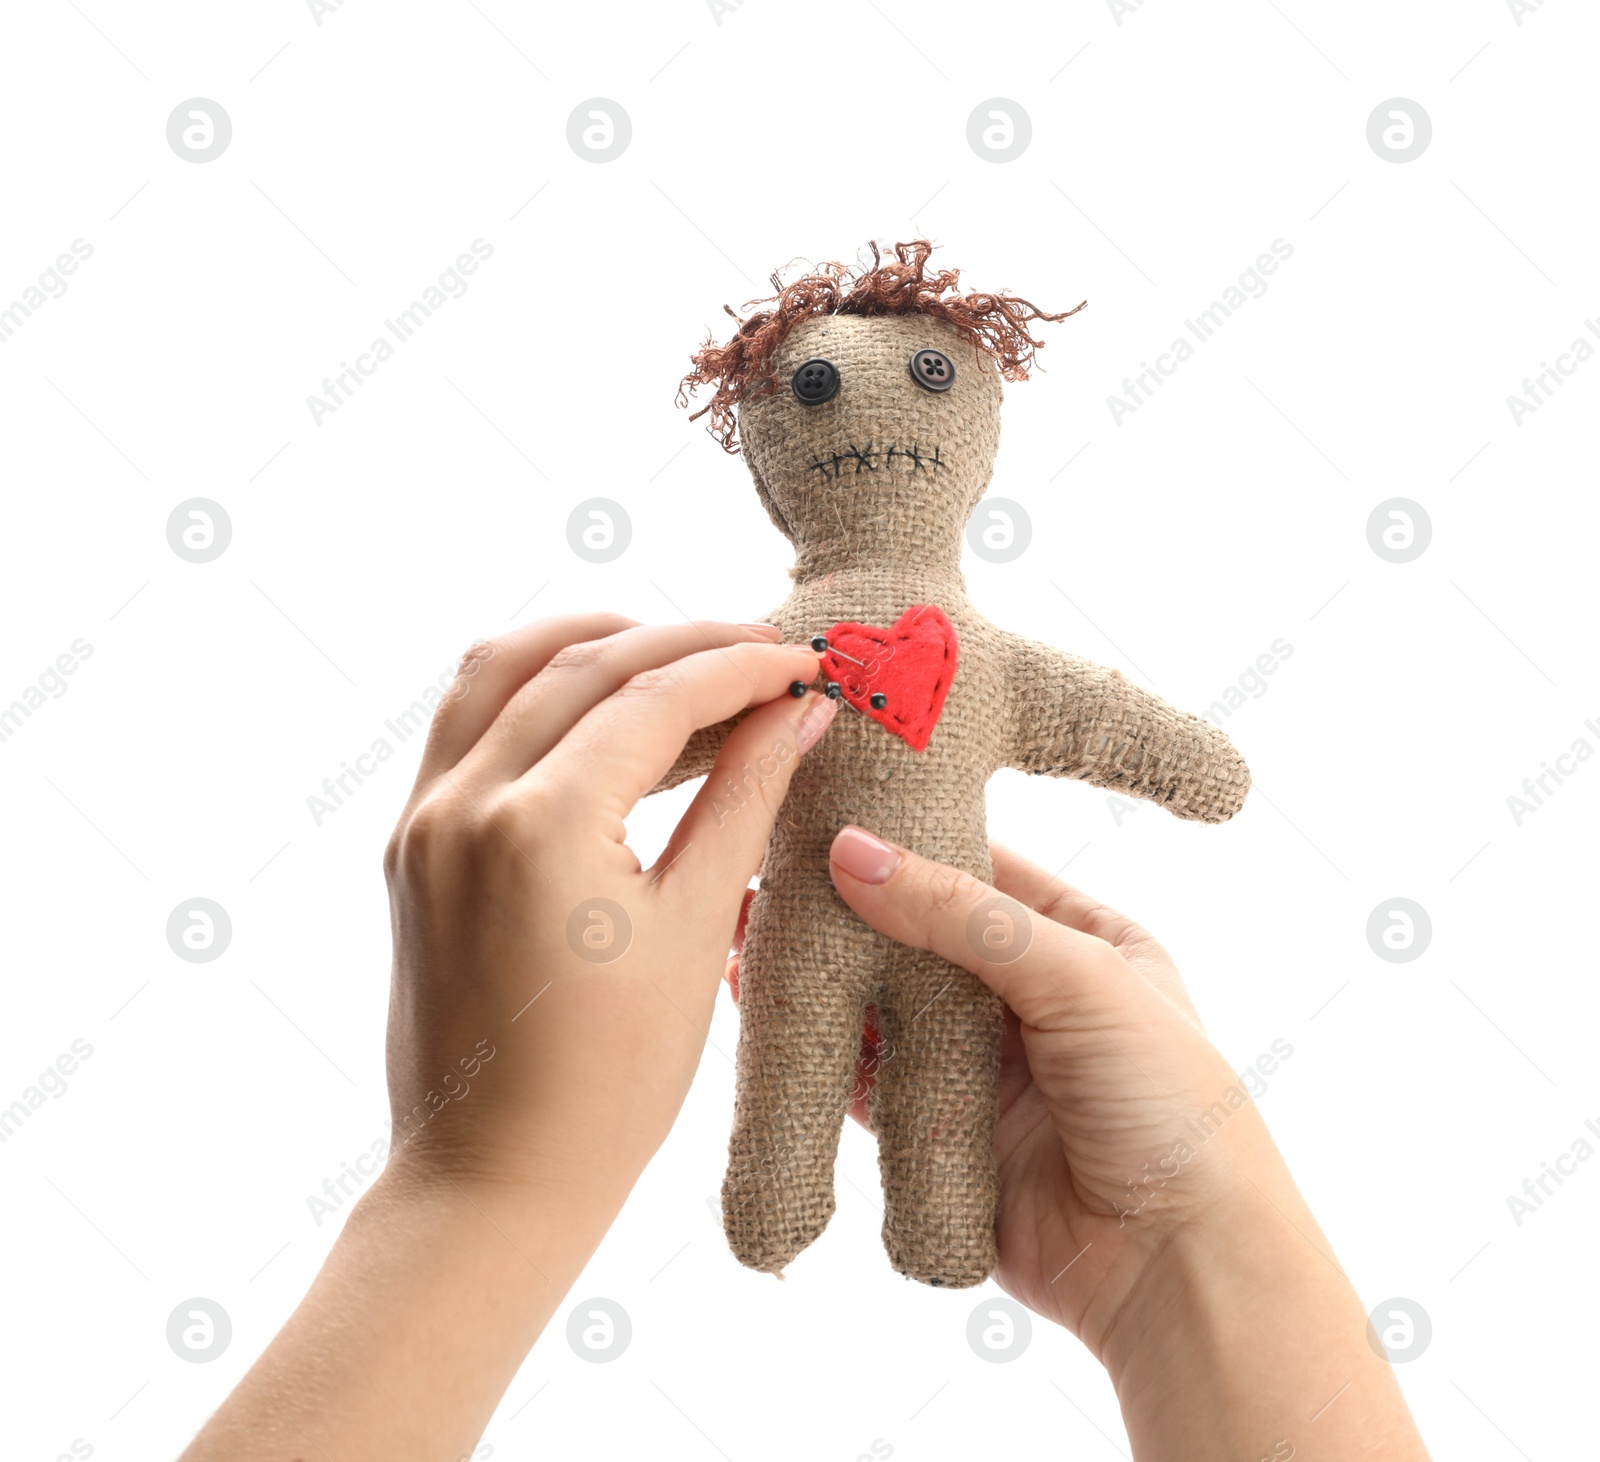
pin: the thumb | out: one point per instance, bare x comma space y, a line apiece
730, 820
1054, 977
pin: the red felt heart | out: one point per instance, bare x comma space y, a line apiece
911, 664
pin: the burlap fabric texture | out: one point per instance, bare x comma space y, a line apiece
874, 488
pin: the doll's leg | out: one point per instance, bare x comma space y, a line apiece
804, 981
933, 1108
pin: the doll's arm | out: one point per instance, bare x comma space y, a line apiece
1073, 718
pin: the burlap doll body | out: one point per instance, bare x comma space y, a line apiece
874, 485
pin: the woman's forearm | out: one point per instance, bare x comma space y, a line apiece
1246, 1342
428, 1302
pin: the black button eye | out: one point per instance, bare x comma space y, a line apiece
816, 381
933, 370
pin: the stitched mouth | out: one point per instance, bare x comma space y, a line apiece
875, 459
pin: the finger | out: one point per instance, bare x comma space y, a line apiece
578, 677
622, 747
719, 842
1054, 976
491, 672
1047, 895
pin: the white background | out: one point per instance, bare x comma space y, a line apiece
1168, 151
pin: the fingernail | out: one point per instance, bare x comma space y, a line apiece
766, 631
863, 856
816, 720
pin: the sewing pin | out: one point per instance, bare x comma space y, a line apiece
835, 691
820, 644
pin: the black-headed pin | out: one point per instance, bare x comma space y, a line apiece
820, 644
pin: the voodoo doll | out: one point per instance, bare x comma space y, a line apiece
866, 402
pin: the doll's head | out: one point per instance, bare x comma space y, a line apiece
867, 403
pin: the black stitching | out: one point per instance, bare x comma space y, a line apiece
829, 466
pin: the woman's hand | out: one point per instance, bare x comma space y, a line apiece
1094, 1152
550, 997
1109, 1087
1142, 1202
548, 1008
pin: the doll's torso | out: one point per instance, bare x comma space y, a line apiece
932, 800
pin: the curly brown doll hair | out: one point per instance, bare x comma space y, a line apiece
741, 370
